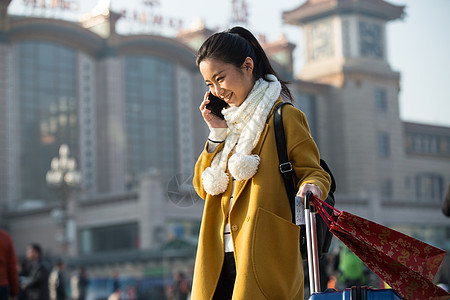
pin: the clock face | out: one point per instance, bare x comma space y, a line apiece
370, 40
321, 40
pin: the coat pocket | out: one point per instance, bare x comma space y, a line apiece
276, 256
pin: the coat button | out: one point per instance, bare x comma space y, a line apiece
234, 227
248, 218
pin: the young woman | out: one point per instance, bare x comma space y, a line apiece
248, 246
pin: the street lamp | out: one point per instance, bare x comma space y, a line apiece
64, 175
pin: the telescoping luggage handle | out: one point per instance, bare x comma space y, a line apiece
311, 244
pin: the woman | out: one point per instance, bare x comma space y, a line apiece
248, 247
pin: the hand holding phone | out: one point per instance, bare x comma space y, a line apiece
216, 105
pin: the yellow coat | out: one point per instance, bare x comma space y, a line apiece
266, 242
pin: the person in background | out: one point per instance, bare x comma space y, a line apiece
79, 284
116, 293
352, 269
36, 285
116, 283
57, 282
180, 287
9, 279
248, 246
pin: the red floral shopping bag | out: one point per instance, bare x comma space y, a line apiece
405, 263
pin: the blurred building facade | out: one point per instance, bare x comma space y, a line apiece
127, 107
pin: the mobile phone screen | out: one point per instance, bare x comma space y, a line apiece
216, 105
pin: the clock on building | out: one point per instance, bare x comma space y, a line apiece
370, 40
321, 40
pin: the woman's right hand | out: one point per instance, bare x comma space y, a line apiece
211, 120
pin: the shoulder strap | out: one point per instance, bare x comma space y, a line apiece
285, 165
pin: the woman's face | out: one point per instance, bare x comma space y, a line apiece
228, 82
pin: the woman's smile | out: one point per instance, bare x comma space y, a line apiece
227, 98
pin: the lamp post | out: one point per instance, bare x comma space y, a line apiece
63, 174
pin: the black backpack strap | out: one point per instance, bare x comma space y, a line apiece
324, 166
285, 165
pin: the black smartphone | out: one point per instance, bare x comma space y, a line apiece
216, 105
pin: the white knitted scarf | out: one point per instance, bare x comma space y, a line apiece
245, 124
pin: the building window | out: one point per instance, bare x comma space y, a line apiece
381, 99
429, 186
383, 144
48, 108
150, 117
427, 144
109, 238
433, 144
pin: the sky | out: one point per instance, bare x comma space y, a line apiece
418, 45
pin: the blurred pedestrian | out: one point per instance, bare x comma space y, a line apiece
35, 286
9, 279
324, 262
116, 283
57, 282
180, 287
116, 293
79, 284
446, 203
352, 269
23, 268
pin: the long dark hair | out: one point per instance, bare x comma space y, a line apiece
233, 47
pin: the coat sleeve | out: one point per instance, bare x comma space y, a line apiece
203, 161
303, 152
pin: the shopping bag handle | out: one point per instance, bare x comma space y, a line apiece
312, 200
